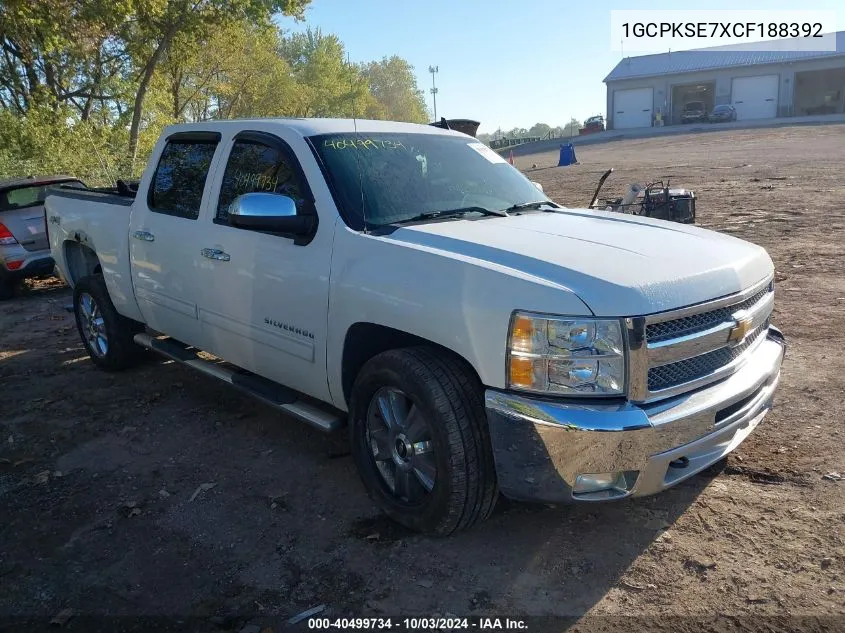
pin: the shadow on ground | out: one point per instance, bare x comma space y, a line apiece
157, 492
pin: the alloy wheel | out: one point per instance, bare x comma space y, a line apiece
93, 325
401, 444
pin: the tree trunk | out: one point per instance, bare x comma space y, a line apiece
175, 85
21, 96
86, 109
138, 106
95, 86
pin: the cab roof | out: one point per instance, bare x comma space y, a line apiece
313, 127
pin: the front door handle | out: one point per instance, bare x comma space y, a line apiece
144, 236
215, 253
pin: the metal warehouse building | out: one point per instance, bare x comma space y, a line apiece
759, 84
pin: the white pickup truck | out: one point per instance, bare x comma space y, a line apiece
405, 282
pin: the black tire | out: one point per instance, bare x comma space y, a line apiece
120, 350
450, 397
7, 289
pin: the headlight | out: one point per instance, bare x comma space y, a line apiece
570, 356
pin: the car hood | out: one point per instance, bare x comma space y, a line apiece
618, 265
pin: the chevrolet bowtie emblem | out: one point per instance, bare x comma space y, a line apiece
741, 329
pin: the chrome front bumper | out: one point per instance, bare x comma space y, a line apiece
541, 446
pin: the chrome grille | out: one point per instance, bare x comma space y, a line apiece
674, 374
688, 348
656, 332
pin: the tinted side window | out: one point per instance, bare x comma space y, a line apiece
180, 178
254, 166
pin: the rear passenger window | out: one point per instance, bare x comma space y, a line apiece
180, 176
24, 197
254, 166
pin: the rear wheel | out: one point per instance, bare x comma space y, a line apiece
420, 441
107, 336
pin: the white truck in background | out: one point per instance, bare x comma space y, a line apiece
405, 282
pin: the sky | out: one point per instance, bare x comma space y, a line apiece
504, 63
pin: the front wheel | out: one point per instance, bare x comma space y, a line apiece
107, 336
419, 438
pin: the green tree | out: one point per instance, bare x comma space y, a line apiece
485, 138
328, 83
154, 25
257, 82
393, 84
571, 128
61, 52
43, 142
539, 129
72, 72
234, 72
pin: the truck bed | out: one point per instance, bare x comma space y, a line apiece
107, 195
83, 222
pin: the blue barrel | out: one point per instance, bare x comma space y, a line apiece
567, 155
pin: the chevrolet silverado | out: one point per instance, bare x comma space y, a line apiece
405, 283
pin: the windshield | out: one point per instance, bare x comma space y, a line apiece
694, 105
392, 177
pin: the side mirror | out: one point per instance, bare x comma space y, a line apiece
269, 212
538, 185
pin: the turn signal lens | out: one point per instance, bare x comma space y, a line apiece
526, 333
523, 328
522, 372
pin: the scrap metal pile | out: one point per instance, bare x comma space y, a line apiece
655, 200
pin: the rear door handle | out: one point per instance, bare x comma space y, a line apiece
215, 253
144, 236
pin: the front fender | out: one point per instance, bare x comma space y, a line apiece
461, 303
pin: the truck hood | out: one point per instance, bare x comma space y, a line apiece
618, 265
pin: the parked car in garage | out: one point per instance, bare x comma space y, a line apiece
24, 247
722, 113
693, 112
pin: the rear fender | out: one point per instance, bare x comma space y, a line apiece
80, 259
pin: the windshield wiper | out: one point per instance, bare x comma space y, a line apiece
532, 205
451, 213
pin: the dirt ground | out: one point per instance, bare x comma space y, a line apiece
158, 492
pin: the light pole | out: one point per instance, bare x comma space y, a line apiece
432, 70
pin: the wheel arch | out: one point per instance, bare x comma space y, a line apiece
80, 261
365, 340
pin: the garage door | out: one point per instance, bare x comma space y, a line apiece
755, 97
632, 108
